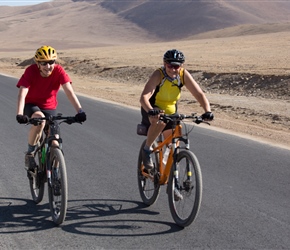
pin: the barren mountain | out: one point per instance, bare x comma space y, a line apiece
171, 20
90, 23
66, 24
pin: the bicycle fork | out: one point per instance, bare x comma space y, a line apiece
186, 183
48, 161
175, 150
48, 167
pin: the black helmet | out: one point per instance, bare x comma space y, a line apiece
174, 57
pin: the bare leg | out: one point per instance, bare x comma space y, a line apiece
36, 131
33, 137
154, 130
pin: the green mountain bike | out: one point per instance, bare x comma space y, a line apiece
50, 167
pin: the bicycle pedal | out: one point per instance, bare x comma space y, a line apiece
29, 175
147, 173
32, 171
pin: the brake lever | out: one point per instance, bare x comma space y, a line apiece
199, 120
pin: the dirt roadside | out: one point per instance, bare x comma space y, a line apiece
248, 108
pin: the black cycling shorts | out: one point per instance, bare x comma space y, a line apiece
30, 108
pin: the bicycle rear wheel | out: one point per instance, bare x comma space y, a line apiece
148, 184
58, 190
186, 181
36, 178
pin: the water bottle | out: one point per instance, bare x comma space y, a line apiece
165, 156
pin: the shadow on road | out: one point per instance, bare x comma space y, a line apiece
102, 217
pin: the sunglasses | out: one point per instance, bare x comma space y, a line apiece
170, 66
45, 63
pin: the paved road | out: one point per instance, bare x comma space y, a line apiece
245, 198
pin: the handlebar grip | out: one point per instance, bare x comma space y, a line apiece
35, 121
196, 119
70, 120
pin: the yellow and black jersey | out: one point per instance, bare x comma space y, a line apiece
167, 93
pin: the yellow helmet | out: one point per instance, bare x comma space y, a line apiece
45, 53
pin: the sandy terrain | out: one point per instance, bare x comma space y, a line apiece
246, 78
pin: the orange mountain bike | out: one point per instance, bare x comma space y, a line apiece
181, 171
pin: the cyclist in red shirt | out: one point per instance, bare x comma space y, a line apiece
37, 97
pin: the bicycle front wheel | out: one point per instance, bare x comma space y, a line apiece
148, 184
37, 178
185, 189
58, 189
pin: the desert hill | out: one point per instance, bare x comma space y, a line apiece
245, 30
171, 20
91, 23
65, 24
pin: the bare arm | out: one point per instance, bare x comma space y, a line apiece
149, 89
196, 91
72, 96
21, 100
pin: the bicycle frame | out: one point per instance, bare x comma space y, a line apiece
172, 139
45, 146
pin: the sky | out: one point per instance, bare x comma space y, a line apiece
21, 2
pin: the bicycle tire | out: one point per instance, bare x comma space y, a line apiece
148, 187
36, 179
185, 210
58, 189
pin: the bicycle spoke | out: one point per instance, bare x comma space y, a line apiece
187, 181
36, 180
147, 182
58, 188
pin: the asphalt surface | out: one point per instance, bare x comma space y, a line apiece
246, 188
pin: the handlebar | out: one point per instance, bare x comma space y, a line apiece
180, 117
66, 119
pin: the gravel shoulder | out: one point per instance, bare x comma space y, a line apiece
254, 105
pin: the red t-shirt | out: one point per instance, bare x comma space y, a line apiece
43, 90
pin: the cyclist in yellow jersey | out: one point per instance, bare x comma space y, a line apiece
160, 95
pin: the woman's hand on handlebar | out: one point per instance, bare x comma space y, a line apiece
81, 117
207, 116
22, 119
154, 112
